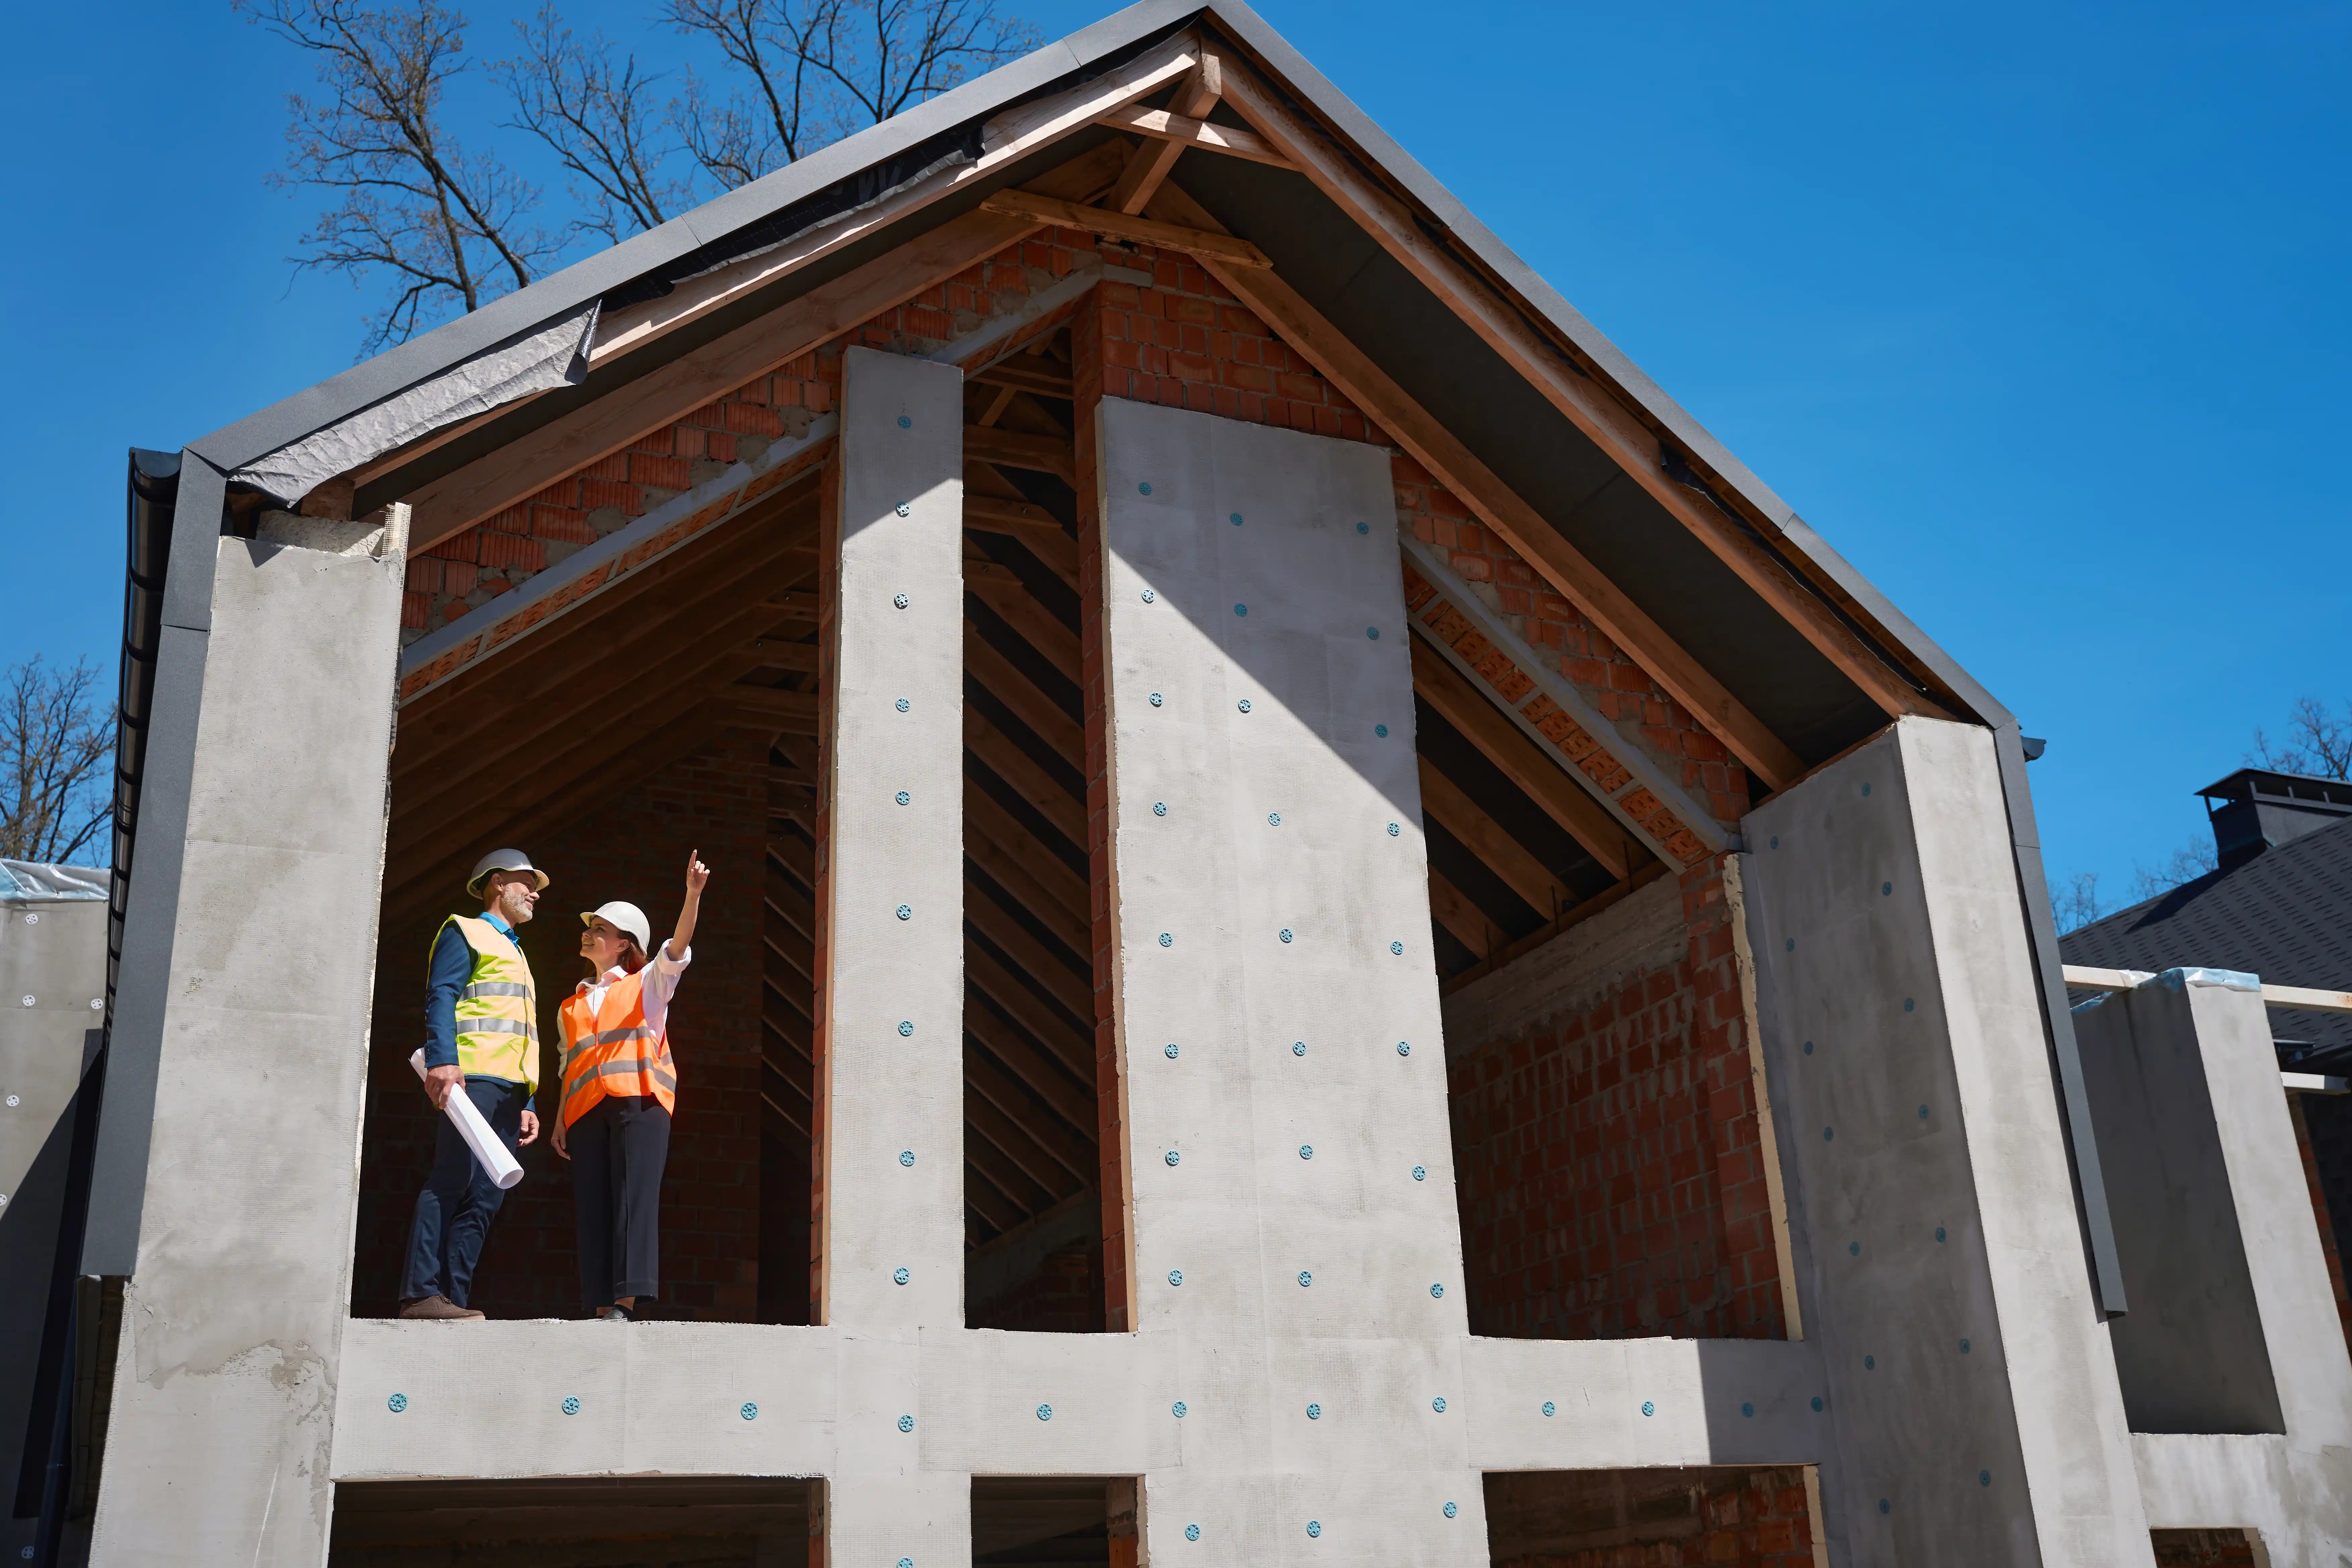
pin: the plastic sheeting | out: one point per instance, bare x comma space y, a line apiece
555, 355
22, 880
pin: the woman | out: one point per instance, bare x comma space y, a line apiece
619, 1088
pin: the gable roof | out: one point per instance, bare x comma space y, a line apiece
1706, 597
2285, 915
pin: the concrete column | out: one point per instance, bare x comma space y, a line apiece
2233, 1358
218, 1441
1293, 1216
892, 1067
1938, 1256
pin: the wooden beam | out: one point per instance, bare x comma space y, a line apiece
531, 461
1012, 1138
1163, 126
1500, 853
1015, 862
1581, 390
1034, 1068
1004, 1195
1004, 680
1032, 525
995, 923
1026, 372
789, 712
1519, 947
1455, 911
1030, 206
1544, 779
1001, 590
558, 739
1073, 1048
1074, 1153
1033, 784
1017, 449
1150, 164
799, 657
1519, 524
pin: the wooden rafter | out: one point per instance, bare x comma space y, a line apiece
564, 446
1459, 914
1164, 125
1074, 1155
1543, 780
1069, 1046
1031, 1065
1033, 206
1149, 164
1021, 866
1022, 449
1031, 956
1004, 680
1001, 756
1519, 524
1510, 860
1029, 523
1580, 392
1001, 590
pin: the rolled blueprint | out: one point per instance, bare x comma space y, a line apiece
489, 1152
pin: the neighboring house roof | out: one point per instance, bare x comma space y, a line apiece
2285, 915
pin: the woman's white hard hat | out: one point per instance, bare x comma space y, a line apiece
502, 861
623, 916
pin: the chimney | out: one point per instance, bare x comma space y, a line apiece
2254, 809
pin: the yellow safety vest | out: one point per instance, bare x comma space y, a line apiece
498, 1012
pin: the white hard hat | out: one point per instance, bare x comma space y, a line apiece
502, 861
623, 916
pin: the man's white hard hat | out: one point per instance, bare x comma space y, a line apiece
623, 916
502, 861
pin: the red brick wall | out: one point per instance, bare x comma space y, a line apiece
1717, 1518
473, 567
1065, 1296
1606, 1161
633, 847
2202, 1548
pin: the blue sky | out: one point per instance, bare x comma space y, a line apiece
2037, 313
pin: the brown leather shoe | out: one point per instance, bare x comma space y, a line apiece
436, 1307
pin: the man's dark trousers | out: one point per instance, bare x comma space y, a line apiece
454, 1210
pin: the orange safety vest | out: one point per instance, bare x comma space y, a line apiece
612, 1050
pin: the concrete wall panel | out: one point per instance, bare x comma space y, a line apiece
894, 997
225, 1385
1931, 1211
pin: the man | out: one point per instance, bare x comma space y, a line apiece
481, 1040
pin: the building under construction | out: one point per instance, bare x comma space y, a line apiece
1334, 938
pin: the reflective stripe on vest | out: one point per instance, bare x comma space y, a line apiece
497, 1011
608, 1052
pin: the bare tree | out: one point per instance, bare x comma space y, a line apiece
2317, 743
818, 69
2076, 903
2186, 864
56, 747
596, 118
449, 226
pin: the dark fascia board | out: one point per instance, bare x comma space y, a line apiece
560, 294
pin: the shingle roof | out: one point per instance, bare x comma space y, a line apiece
2284, 915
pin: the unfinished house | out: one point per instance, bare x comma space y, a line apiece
1335, 939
